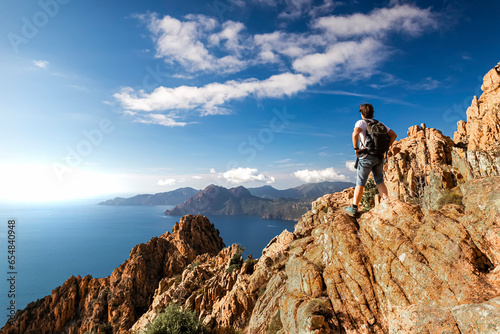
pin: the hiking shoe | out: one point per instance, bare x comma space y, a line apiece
350, 210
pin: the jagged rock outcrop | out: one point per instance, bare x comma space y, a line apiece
427, 166
419, 166
116, 302
396, 269
478, 140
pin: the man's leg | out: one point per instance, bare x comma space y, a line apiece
382, 189
378, 177
364, 168
358, 194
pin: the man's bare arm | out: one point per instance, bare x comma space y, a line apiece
392, 136
355, 138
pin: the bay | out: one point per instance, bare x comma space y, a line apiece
57, 240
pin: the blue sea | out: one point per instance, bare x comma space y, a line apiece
56, 240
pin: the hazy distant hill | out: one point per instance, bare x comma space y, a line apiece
305, 191
216, 200
174, 197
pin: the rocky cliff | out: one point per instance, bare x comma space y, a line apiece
425, 261
409, 265
427, 167
113, 304
396, 269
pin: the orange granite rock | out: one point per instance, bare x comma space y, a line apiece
116, 302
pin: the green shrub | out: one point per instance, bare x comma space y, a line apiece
236, 261
193, 265
368, 199
175, 321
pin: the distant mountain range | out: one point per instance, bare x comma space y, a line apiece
305, 191
216, 200
174, 197
266, 202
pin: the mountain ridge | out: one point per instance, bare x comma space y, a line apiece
218, 200
266, 191
304, 191
173, 197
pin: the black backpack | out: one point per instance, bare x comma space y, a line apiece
377, 138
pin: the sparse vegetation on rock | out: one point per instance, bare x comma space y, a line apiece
175, 320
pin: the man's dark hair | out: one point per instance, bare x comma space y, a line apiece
366, 110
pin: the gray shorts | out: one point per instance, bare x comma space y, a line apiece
371, 163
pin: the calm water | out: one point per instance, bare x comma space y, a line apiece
55, 241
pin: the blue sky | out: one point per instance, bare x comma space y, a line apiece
124, 97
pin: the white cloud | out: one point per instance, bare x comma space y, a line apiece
197, 177
337, 47
158, 119
426, 84
242, 175
294, 9
230, 36
327, 7
185, 42
41, 64
209, 99
291, 45
350, 166
400, 18
166, 182
311, 176
343, 59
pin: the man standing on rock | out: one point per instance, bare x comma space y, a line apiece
375, 139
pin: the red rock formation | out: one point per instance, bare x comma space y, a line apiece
478, 139
113, 304
419, 166
426, 166
397, 269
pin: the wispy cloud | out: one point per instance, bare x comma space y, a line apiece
367, 96
405, 19
336, 48
158, 119
167, 182
41, 64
